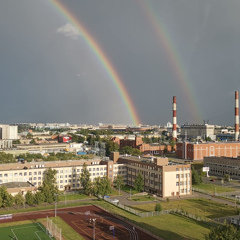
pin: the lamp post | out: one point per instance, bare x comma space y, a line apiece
55, 194
94, 220
130, 192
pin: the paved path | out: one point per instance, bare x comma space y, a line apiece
124, 199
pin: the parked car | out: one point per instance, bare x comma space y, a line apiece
115, 201
212, 180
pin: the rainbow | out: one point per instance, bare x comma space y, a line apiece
102, 58
173, 58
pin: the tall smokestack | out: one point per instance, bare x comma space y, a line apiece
236, 115
174, 132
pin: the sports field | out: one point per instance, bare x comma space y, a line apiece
33, 231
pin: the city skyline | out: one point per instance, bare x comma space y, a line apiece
119, 62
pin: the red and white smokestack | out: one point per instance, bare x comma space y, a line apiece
174, 132
236, 115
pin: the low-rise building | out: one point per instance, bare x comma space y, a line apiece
220, 166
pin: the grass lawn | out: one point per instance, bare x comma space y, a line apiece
168, 226
67, 232
142, 198
30, 231
200, 207
76, 196
213, 187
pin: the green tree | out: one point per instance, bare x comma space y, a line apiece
119, 182
111, 147
196, 177
19, 199
127, 150
7, 199
158, 207
29, 197
38, 198
226, 232
139, 182
85, 179
1, 201
172, 143
49, 186
102, 186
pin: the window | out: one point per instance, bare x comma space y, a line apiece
177, 183
5, 175
35, 173
177, 175
176, 169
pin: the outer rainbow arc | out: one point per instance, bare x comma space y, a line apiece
173, 57
94, 46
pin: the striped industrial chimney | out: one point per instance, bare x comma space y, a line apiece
174, 131
236, 115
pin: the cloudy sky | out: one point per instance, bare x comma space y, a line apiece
160, 49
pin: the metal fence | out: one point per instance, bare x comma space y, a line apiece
135, 212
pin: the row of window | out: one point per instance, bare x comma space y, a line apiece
182, 183
182, 175
180, 169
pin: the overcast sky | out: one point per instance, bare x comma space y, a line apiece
49, 74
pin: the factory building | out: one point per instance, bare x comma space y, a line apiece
220, 166
197, 131
197, 151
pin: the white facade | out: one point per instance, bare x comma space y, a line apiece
8, 132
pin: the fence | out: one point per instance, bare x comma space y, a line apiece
135, 212
53, 230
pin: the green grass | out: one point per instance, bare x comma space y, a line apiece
70, 197
67, 232
142, 198
214, 188
166, 226
200, 207
32, 231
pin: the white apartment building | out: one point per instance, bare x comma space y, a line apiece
8, 132
160, 177
68, 172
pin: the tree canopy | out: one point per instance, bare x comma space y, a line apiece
225, 232
139, 182
49, 187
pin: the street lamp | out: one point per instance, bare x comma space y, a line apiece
55, 194
94, 220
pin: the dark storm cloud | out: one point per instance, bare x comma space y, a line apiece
46, 76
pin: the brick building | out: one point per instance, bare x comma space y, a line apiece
145, 148
197, 151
